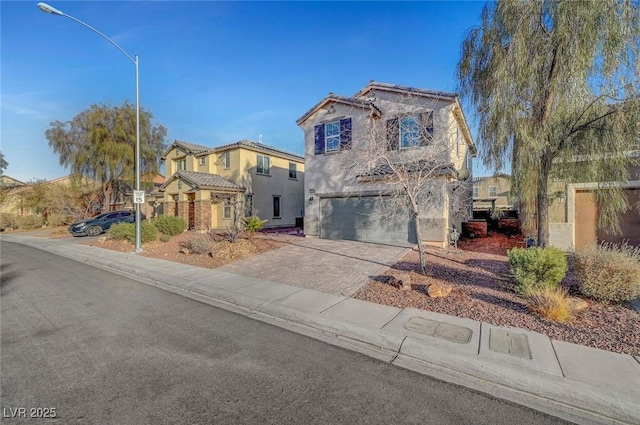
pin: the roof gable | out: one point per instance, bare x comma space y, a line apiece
189, 148
395, 88
259, 147
334, 98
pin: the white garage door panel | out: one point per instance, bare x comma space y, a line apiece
364, 219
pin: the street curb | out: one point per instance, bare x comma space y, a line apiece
555, 395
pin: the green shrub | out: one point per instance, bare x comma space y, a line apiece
122, 231
550, 303
170, 225
148, 232
252, 224
165, 238
537, 268
199, 243
609, 272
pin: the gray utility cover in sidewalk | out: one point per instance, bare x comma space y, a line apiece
442, 330
509, 342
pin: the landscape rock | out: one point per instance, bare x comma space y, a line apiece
439, 290
577, 304
102, 239
185, 251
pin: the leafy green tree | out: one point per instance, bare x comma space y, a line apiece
555, 87
100, 143
3, 163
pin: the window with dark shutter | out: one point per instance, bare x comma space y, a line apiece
393, 134
319, 139
345, 133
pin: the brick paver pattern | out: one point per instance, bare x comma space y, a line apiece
333, 266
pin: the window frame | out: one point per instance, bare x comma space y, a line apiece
226, 210
401, 133
335, 138
475, 191
226, 160
293, 174
202, 160
277, 206
260, 163
495, 191
181, 164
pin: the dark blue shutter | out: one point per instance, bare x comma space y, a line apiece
426, 128
393, 135
319, 139
345, 133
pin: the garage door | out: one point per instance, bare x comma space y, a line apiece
365, 219
586, 228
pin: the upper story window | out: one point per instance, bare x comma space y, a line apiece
475, 192
332, 136
203, 160
493, 191
293, 170
409, 131
264, 166
226, 160
181, 164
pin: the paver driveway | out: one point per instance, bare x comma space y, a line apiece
338, 267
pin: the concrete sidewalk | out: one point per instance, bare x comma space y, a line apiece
574, 382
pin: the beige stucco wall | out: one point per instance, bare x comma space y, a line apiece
242, 171
503, 189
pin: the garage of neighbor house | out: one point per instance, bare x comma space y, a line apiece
365, 219
586, 219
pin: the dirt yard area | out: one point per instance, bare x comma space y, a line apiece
483, 290
222, 251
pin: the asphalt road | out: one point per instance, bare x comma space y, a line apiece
99, 348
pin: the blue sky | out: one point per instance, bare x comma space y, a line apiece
213, 72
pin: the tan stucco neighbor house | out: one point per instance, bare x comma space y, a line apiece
417, 128
492, 192
573, 223
205, 185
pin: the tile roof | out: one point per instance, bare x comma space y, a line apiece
334, 98
190, 148
483, 178
204, 181
424, 166
405, 89
259, 147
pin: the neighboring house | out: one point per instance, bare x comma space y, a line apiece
341, 206
206, 186
13, 201
573, 215
122, 195
492, 193
8, 183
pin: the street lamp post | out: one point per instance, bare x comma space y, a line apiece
49, 9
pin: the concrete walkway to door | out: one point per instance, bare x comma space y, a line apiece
337, 267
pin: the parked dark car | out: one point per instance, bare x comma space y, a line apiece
101, 223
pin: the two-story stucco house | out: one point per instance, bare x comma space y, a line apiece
492, 192
206, 186
354, 147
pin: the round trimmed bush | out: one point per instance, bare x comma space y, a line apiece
609, 272
537, 268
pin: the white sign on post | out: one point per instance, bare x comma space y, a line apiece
138, 196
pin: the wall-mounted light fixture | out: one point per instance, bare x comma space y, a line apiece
311, 199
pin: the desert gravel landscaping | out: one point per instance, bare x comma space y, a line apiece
478, 272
